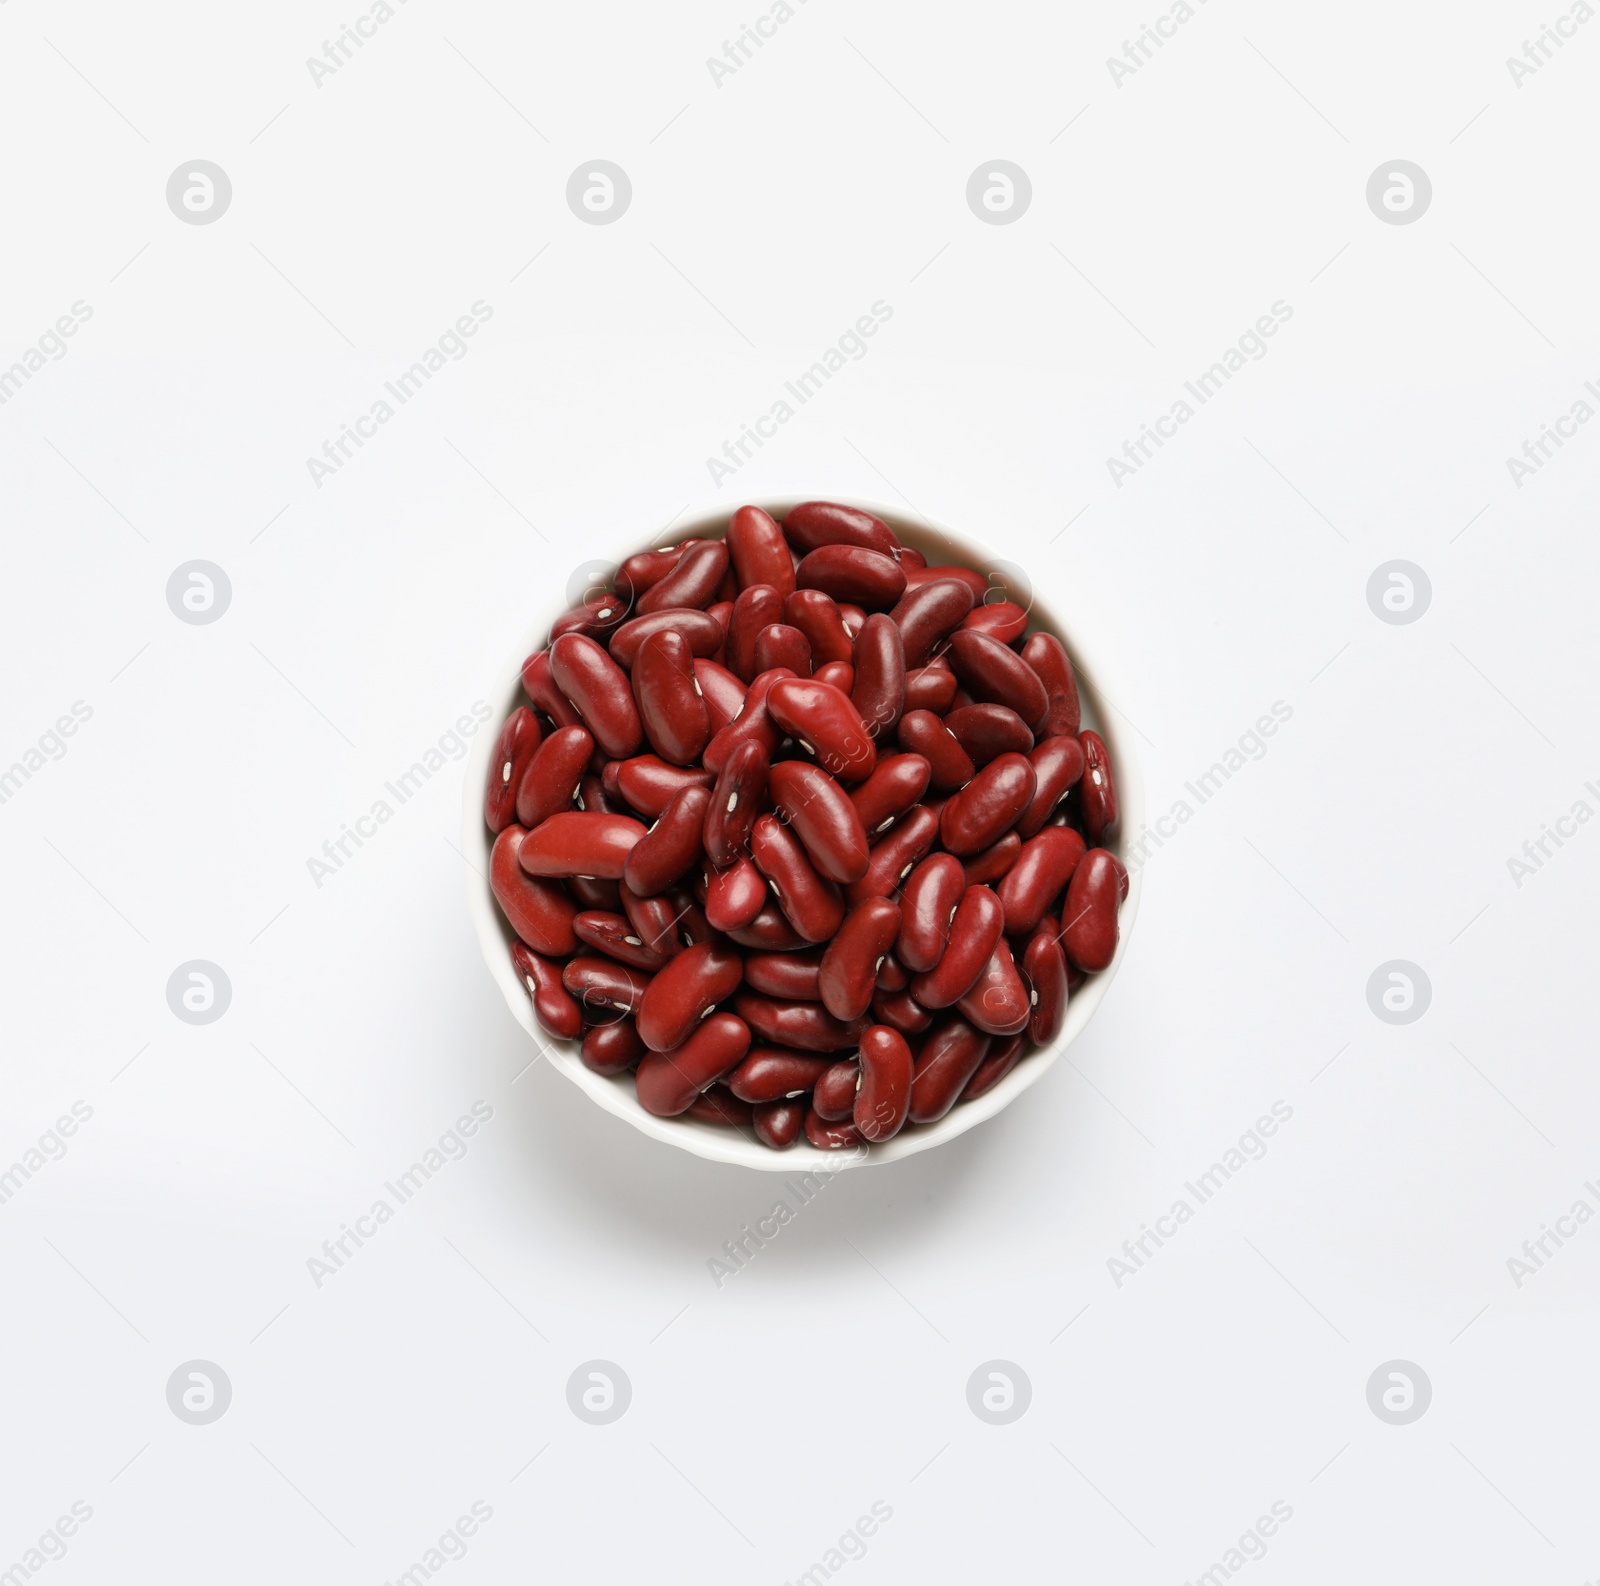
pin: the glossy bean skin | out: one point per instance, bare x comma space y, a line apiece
853, 618
654, 920
736, 801
558, 1014
833, 1097
597, 617
539, 911
891, 975
988, 731
603, 987
754, 721
671, 708
849, 971
1089, 920
931, 687
979, 920
899, 781
950, 766
551, 777
592, 797
789, 977
1057, 766
1045, 653
678, 997
980, 586
775, 1073
613, 934
852, 573
1045, 865
720, 1106
891, 858
769, 932
831, 1136
879, 689
817, 616
779, 645
998, 1003
723, 692
666, 1081
928, 613
1097, 793
759, 551
540, 687
1002, 1058
515, 747
949, 1058
599, 692
839, 674
595, 892
759, 606
612, 1048
816, 523
1004, 620
668, 851
986, 868
927, 907
701, 632
644, 570
575, 843
992, 671
808, 901
988, 806
821, 815
734, 896
1044, 967
803, 1026
692, 926
778, 1123
649, 784
825, 723
693, 582
900, 1011
884, 1100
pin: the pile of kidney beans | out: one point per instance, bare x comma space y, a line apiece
803, 831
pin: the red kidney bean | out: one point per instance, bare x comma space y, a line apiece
993, 672
613, 934
1045, 653
779, 645
806, 1026
816, 523
720, 1106
599, 691
931, 687
672, 709
884, 1099
759, 551
1089, 920
900, 1011
557, 1013
879, 691
692, 926
998, 1003
927, 907
911, 558
808, 901
649, 784
974, 930
1003, 1054
769, 932
1044, 965
821, 815
550, 779
654, 919
575, 843
891, 975
597, 617
838, 674
693, 582
701, 631
539, 911
778, 1123
595, 892
988, 806
949, 1058
790, 977
853, 617
685, 991
644, 570
994, 862
759, 606
825, 724
754, 721
988, 731
602, 985
668, 1079
1057, 765
1034, 882
612, 1048
950, 767
516, 745
831, 1136
734, 896
931, 609
669, 849
833, 1097
852, 573
774, 1073
540, 687
1097, 793
736, 800
899, 781
848, 976
593, 798
1004, 620
722, 691
817, 616
891, 859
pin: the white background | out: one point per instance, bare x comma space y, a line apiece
829, 172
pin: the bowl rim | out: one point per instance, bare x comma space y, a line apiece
715, 1142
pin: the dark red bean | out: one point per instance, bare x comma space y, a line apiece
722, 691
1089, 920
879, 691
515, 747
884, 1099
834, 1095
950, 766
985, 869
692, 926
734, 896
825, 724
853, 617
815, 523
649, 784
654, 919
644, 570
551, 778
681, 994
840, 674
931, 687
592, 797
991, 671
892, 857
998, 1003
672, 709
809, 902
1044, 965
979, 585
988, 731
988, 806
817, 616
539, 911
760, 552
557, 1013
1047, 656
831, 1136
899, 781
949, 1058
775, 1073
693, 582
595, 892
720, 1106
597, 617
891, 974
849, 970
790, 977
613, 934
736, 800
779, 645
540, 687
927, 906
599, 691
806, 1026
668, 851
852, 573
754, 721
1057, 765
1004, 620
821, 815
979, 920
769, 932
1034, 882
900, 1011
701, 631
603, 987
759, 606
667, 1080
612, 1048
575, 843
778, 1123
1002, 1058
1097, 794
928, 612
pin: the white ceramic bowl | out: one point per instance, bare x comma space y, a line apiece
721, 1144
